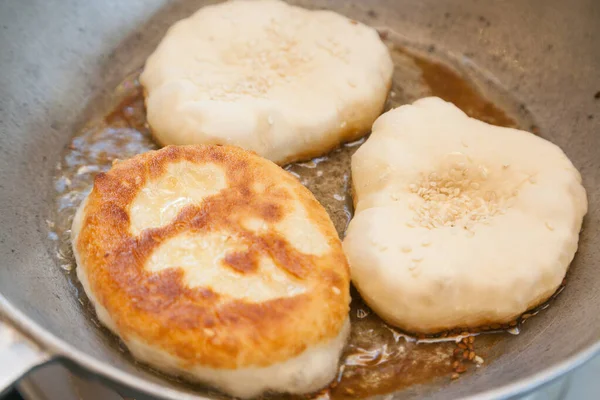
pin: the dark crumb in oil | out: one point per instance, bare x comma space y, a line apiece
597, 95
484, 20
372, 14
590, 116
464, 356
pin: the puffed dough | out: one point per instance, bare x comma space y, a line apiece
216, 265
459, 223
285, 82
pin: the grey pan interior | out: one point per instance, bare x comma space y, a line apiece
60, 58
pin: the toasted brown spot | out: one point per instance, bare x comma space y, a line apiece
246, 261
270, 212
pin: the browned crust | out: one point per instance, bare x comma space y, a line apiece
196, 324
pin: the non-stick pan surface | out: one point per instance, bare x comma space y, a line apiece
60, 60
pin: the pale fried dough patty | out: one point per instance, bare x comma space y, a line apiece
283, 81
215, 264
459, 223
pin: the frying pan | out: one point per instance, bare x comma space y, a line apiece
59, 59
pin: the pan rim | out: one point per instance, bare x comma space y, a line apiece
61, 349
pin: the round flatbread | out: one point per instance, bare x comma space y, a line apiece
216, 265
285, 82
459, 223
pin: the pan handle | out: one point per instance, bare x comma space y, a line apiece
18, 356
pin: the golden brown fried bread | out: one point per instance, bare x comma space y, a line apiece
215, 264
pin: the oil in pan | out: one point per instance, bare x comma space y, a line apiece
378, 358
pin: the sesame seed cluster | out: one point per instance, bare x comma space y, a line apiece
456, 196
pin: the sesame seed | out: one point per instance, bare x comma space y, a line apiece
449, 196
549, 226
406, 249
484, 172
336, 290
